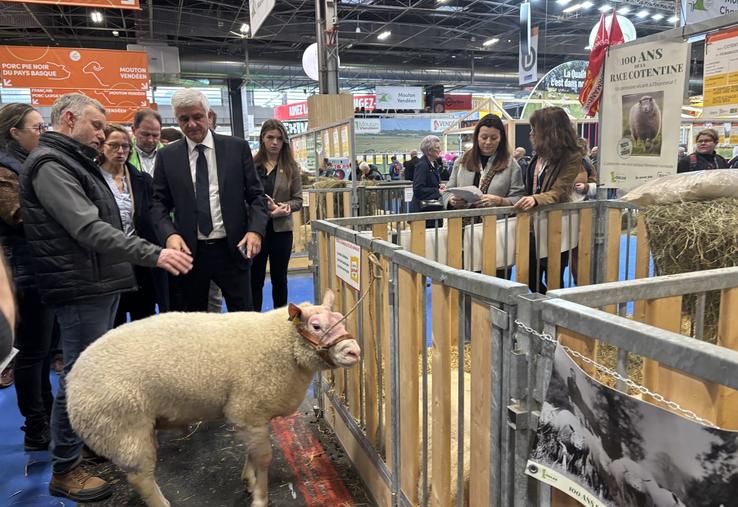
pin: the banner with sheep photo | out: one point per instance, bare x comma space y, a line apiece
641, 112
605, 448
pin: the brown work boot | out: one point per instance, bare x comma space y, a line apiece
79, 485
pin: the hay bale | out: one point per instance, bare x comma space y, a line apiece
694, 236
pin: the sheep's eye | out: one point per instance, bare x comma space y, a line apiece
316, 327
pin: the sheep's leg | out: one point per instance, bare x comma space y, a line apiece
258, 460
146, 486
249, 475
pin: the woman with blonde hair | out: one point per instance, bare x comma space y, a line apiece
550, 178
280, 176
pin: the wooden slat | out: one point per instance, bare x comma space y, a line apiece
522, 248
553, 272
489, 245
409, 416
330, 205
584, 261
313, 209
417, 237
441, 411
346, 212
728, 338
323, 247
297, 233
664, 313
380, 231
583, 344
641, 267
339, 374
369, 332
454, 260
481, 405
353, 389
613, 250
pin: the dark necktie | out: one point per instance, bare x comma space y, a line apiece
202, 192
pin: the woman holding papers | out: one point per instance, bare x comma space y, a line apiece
550, 178
488, 166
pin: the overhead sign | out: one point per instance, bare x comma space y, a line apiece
565, 81
259, 10
368, 102
720, 93
528, 48
441, 124
695, 11
295, 127
73, 69
113, 4
363, 126
120, 105
347, 263
640, 120
291, 111
399, 97
457, 102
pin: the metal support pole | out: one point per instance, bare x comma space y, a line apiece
236, 107
326, 35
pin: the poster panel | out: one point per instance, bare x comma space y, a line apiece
259, 10
695, 11
720, 90
528, 63
605, 448
112, 4
72, 68
367, 126
345, 141
336, 145
399, 97
641, 112
347, 263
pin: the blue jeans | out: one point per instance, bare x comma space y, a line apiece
81, 322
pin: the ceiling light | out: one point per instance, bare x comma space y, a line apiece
489, 42
624, 10
384, 35
244, 28
587, 5
657, 17
562, 2
116, 33
572, 8
605, 8
358, 29
642, 14
96, 16
673, 19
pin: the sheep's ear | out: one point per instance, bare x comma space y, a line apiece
328, 299
294, 311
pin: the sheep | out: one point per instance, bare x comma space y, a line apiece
645, 120
148, 375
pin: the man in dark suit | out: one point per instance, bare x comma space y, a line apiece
410, 166
207, 181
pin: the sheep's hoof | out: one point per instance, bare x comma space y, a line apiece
249, 478
259, 503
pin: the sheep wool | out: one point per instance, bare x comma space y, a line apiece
177, 368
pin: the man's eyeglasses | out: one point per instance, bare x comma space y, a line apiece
40, 128
116, 146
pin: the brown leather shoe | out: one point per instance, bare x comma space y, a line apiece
7, 377
80, 485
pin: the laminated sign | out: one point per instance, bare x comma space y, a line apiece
348, 263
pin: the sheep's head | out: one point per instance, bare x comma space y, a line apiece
646, 103
321, 327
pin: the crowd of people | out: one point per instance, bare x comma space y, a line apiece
100, 226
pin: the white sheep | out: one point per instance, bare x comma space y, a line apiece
645, 120
177, 368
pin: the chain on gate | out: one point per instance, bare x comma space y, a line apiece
617, 376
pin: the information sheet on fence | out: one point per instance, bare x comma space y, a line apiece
348, 263
720, 92
641, 112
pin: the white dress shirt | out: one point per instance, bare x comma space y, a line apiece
215, 213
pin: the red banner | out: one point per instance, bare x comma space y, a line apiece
368, 102
103, 4
72, 68
291, 111
458, 102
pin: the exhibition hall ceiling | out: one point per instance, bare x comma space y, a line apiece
430, 40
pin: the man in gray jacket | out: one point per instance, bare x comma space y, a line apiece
83, 260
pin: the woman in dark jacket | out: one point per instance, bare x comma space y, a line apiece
549, 179
427, 179
280, 176
20, 129
704, 156
132, 190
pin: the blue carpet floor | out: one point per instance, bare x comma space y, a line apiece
24, 477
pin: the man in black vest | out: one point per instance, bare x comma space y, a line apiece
82, 259
208, 181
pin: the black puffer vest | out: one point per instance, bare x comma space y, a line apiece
12, 238
66, 270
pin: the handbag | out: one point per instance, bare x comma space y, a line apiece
431, 205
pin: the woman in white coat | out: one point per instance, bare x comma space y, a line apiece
488, 165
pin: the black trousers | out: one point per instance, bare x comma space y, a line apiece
141, 303
33, 340
213, 261
277, 248
535, 280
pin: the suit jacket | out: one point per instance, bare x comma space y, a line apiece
242, 201
287, 191
558, 180
426, 181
